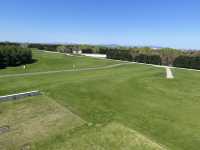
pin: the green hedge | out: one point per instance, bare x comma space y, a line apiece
129, 55
87, 50
3, 59
148, 59
14, 56
119, 54
192, 62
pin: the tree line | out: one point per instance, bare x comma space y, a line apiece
134, 55
164, 56
161, 56
69, 48
14, 55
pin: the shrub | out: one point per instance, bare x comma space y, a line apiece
148, 59
129, 55
192, 62
3, 59
61, 49
14, 56
87, 50
168, 55
119, 54
103, 50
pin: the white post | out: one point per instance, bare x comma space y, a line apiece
169, 74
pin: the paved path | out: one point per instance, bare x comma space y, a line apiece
169, 74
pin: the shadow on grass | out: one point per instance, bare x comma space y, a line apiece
32, 61
4, 66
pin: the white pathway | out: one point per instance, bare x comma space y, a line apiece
95, 55
169, 74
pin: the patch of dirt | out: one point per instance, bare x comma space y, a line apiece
4, 129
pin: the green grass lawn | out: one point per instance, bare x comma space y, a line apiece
127, 107
52, 61
32, 120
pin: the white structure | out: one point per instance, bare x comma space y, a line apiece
77, 52
169, 73
95, 55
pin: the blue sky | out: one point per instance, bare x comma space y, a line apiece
172, 23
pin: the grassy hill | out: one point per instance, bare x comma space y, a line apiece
126, 107
52, 61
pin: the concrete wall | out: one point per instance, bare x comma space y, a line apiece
19, 96
95, 55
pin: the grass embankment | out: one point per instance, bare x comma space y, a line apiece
33, 119
121, 102
45, 61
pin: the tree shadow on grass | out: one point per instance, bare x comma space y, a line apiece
32, 61
17, 65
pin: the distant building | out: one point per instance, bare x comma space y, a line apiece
155, 48
77, 51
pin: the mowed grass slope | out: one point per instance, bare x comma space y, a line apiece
46, 61
33, 119
41, 123
112, 136
136, 98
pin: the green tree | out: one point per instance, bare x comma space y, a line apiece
3, 59
168, 55
61, 49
